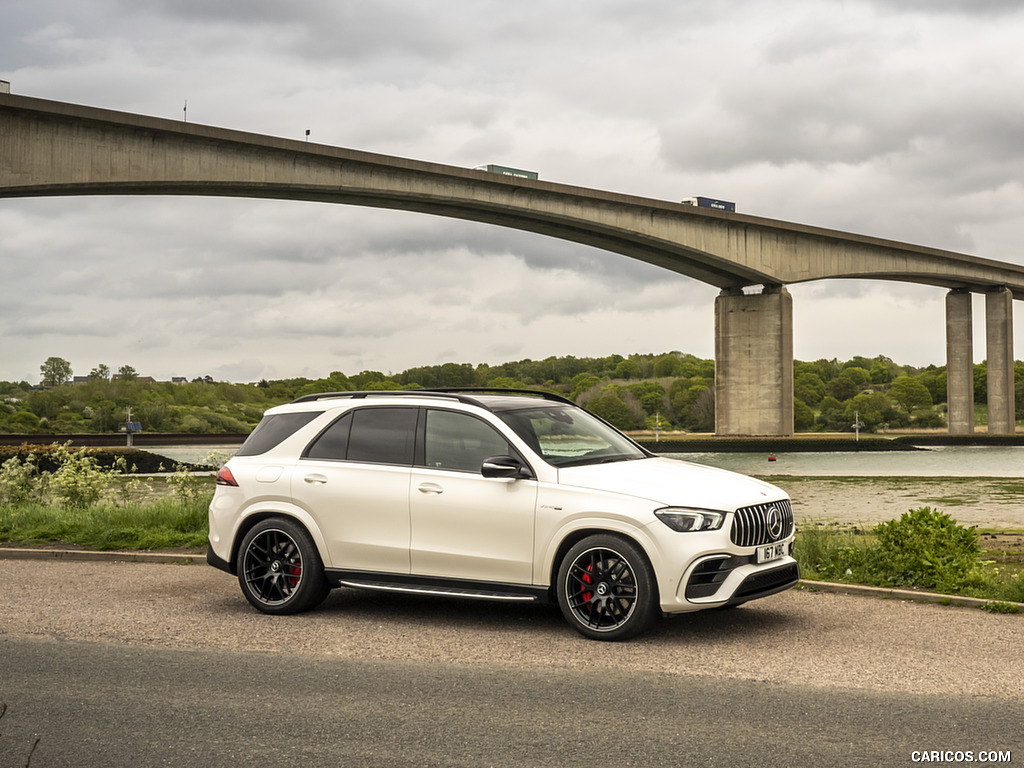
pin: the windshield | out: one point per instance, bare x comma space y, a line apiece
565, 436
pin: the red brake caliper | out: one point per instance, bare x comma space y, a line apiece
587, 580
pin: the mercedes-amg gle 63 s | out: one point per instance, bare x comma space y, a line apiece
494, 495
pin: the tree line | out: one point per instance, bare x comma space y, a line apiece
670, 391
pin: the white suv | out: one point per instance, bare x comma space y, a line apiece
498, 495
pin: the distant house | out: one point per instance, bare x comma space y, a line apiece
80, 381
179, 380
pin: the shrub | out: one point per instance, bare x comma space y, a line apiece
927, 548
79, 480
19, 480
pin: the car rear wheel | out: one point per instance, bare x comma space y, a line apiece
279, 568
606, 588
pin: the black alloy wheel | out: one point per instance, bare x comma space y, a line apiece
279, 568
606, 588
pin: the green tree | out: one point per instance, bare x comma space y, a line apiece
910, 394
650, 394
869, 407
841, 388
127, 373
981, 382
832, 416
803, 416
581, 382
612, 409
100, 373
809, 387
667, 366
859, 376
55, 372
627, 369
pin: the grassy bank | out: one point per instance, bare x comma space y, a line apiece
167, 523
924, 549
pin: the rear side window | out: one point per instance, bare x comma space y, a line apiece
374, 435
273, 430
383, 435
332, 443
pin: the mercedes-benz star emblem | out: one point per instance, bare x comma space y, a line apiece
773, 519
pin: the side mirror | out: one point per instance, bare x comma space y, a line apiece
504, 467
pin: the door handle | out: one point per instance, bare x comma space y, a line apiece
430, 488
315, 479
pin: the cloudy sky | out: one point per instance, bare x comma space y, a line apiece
894, 118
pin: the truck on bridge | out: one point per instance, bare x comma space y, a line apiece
503, 170
710, 202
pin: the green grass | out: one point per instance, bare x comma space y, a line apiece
164, 523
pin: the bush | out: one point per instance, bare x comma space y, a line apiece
79, 480
927, 548
19, 480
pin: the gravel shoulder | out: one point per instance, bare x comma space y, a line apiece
800, 637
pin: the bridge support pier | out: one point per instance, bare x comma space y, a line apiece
999, 353
959, 362
999, 361
754, 362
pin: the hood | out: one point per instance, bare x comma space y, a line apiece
670, 482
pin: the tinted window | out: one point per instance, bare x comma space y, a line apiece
459, 441
565, 435
272, 430
382, 435
332, 443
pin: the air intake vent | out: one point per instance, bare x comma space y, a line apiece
762, 524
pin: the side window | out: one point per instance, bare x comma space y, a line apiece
383, 435
332, 443
273, 430
460, 441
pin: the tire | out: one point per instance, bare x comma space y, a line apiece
279, 568
606, 588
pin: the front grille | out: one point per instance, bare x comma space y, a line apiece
751, 525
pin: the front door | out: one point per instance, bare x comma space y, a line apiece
464, 525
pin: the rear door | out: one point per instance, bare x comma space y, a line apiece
354, 479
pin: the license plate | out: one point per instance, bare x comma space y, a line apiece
770, 552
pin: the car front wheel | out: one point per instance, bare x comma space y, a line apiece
279, 568
606, 588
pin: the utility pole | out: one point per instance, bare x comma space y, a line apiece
857, 424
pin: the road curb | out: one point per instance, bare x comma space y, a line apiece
199, 558
886, 593
26, 553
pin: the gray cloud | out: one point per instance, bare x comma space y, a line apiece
896, 119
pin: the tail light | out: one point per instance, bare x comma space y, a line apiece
224, 477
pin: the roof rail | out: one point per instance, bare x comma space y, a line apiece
503, 391
462, 394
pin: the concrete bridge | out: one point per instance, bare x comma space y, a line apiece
52, 148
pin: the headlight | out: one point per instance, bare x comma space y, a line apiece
686, 520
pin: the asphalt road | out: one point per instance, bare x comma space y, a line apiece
138, 664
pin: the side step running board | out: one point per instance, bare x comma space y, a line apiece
479, 594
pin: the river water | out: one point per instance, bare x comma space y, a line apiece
940, 461
977, 485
